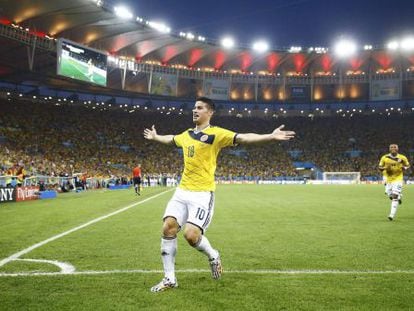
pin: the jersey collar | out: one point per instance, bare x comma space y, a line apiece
199, 131
393, 157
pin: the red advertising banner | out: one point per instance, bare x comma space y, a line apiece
27, 193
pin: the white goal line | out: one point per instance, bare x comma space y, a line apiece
259, 271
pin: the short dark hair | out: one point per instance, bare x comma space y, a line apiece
207, 101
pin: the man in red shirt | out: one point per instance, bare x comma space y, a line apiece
136, 175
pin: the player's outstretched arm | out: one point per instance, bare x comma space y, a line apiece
277, 134
406, 164
151, 134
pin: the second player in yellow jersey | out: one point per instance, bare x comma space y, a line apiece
392, 166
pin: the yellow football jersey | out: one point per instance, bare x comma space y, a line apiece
200, 151
393, 166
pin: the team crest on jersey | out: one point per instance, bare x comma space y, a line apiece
204, 138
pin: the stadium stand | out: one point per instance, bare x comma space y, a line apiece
51, 140
344, 112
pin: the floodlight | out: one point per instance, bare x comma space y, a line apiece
407, 44
393, 45
227, 42
320, 50
98, 2
160, 27
123, 12
260, 46
295, 49
345, 48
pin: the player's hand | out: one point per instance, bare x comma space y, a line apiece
278, 134
150, 134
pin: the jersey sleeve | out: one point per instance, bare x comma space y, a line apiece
405, 161
226, 138
178, 139
382, 162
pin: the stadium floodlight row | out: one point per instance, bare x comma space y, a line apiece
138, 27
183, 83
343, 48
200, 69
295, 62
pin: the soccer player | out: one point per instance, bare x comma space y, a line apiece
90, 70
192, 204
392, 165
136, 177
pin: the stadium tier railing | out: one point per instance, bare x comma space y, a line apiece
50, 182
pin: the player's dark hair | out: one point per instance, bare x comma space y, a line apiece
207, 101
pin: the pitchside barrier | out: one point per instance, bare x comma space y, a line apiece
64, 184
263, 182
94, 183
7, 194
27, 193
48, 181
72, 183
58, 182
159, 181
119, 187
3, 180
18, 194
48, 194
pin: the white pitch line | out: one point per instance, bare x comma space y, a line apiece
58, 236
265, 271
65, 268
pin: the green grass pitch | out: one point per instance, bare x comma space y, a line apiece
336, 241
74, 70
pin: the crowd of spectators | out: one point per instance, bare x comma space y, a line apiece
62, 140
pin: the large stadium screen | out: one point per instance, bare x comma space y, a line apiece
81, 63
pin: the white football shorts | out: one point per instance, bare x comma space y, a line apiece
194, 207
394, 188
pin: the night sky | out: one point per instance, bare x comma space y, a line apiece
285, 22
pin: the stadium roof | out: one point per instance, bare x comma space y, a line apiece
94, 23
